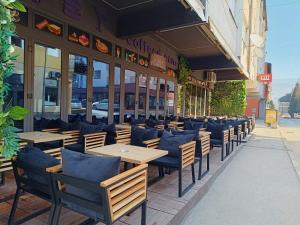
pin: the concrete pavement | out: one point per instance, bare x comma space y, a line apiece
259, 187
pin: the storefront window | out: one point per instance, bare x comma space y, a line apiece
170, 96
100, 90
77, 85
117, 94
152, 95
47, 82
142, 95
130, 77
162, 86
15, 94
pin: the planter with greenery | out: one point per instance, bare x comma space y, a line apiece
228, 98
9, 139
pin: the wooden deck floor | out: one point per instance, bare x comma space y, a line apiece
164, 206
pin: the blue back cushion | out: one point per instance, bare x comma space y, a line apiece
90, 168
138, 135
184, 132
86, 128
110, 129
216, 130
35, 157
171, 142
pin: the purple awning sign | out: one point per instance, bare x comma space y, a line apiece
72, 8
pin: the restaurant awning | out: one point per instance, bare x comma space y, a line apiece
176, 25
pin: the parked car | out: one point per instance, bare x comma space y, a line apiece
76, 104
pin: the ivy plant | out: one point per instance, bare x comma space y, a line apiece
228, 98
9, 139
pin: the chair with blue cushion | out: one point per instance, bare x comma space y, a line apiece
223, 143
178, 158
102, 197
231, 139
30, 169
205, 149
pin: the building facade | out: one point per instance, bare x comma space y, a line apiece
110, 60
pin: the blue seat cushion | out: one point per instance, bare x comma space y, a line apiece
171, 142
138, 135
36, 158
167, 161
75, 147
216, 141
86, 128
90, 168
216, 130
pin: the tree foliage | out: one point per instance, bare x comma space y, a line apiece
295, 101
228, 98
8, 137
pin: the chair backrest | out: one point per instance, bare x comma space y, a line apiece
159, 127
153, 143
187, 154
205, 144
5, 164
231, 134
74, 137
123, 136
94, 140
225, 136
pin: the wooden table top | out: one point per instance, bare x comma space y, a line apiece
177, 123
39, 136
123, 126
129, 153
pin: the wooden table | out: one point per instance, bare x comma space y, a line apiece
129, 153
123, 126
177, 123
39, 137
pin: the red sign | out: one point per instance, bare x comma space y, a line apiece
264, 78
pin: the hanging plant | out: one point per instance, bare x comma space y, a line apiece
183, 71
9, 139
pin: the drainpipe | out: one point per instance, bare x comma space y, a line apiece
250, 31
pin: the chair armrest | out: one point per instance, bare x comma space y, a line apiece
187, 152
54, 169
153, 143
125, 191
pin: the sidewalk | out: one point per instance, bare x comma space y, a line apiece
259, 187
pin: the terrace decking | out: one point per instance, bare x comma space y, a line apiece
164, 206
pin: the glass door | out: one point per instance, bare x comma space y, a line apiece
142, 96
170, 98
15, 95
152, 96
130, 89
47, 82
161, 106
100, 91
77, 86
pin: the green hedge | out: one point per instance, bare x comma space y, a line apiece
228, 98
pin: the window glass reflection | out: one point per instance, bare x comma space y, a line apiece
15, 95
142, 94
77, 85
117, 94
47, 81
152, 95
170, 96
100, 90
130, 77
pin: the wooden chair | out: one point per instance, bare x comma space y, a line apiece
123, 136
121, 194
231, 139
244, 129
223, 143
74, 137
6, 165
27, 185
94, 140
186, 158
205, 148
52, 130
238, 133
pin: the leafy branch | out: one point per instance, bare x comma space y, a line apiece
9, 139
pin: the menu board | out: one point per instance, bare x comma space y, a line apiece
130, 56
19, 17
143, 61
102, 45
48, 25
118, 52
78, 36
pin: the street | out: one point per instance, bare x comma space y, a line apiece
260, 186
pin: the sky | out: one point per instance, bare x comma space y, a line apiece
283, 45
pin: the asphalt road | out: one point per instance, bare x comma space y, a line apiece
260, 186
